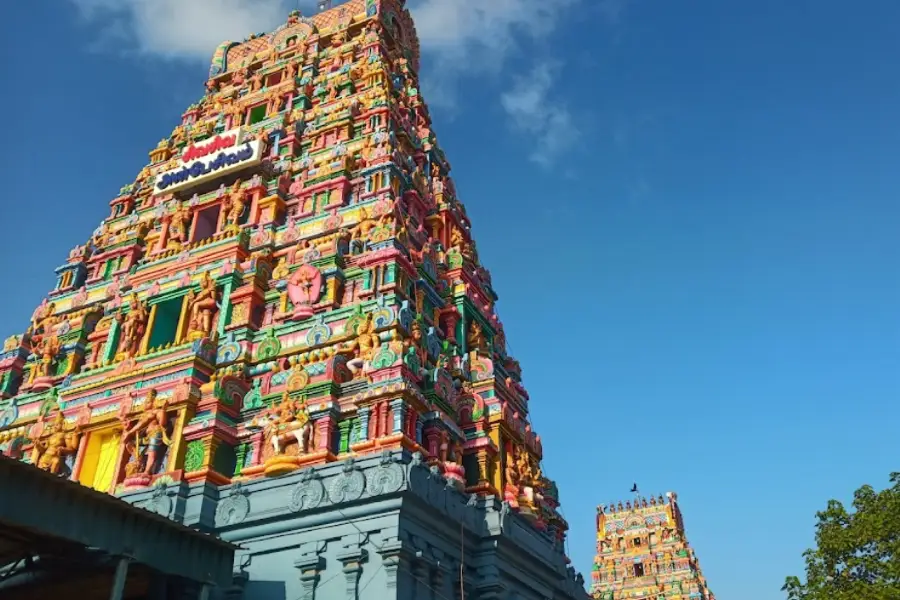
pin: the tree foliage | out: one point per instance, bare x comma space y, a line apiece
858, 552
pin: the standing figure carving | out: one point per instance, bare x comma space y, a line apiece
365, 345
512, 470
235, 206
43, 317
178, 226
147, 439
133, 327
47, 349
203, 308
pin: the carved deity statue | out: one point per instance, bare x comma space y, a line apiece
476, 340
365, 225
256, 82
291, 70
275, 103
235, 205
43, 317
512, 470
178, 226
304, 289
47, 349
286, 424
148, 438
523, 464
11, 343
53, 442
415, 341
203, 307
133, 327
281, 270
367, 341
538, 472
457, 239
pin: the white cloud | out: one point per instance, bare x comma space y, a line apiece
462, 35
460, 38
479, 35
535, 113
183, 29
475, 37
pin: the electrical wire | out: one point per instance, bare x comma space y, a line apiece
371, 579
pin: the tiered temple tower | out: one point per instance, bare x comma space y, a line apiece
282, 333
642, 553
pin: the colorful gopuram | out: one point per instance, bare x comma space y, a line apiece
282, 333
643, 554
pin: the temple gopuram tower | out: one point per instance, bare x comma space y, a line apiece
643, 554
281, 333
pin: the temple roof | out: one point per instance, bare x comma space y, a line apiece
38, 509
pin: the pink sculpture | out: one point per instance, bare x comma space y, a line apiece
304, 288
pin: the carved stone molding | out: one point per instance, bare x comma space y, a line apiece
349, 485
387, 477
309, 493
235, 508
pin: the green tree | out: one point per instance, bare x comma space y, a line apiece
857, 554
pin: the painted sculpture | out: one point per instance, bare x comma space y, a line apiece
304, 289
235, 206
295, 261
133, 325
46, 351
642, 553
287, 433
53, 442
203, 308
178, 226
147, 440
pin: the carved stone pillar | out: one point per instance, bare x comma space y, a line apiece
236, 590
245, 302
383, 408
433, 436
409, 426
489, 585
163, 240
364, 414
436, 577
267, 210
421, 575
396, 560
398, 410
326, 429
255, 190
352, 558
310, 564
256, 442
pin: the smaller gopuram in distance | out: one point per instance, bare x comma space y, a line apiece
643, 553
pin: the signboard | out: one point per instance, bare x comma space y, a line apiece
208, 160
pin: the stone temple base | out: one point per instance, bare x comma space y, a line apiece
380, 527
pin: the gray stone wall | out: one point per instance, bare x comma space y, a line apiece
382, 527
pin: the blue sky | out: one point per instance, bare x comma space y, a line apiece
689, 210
